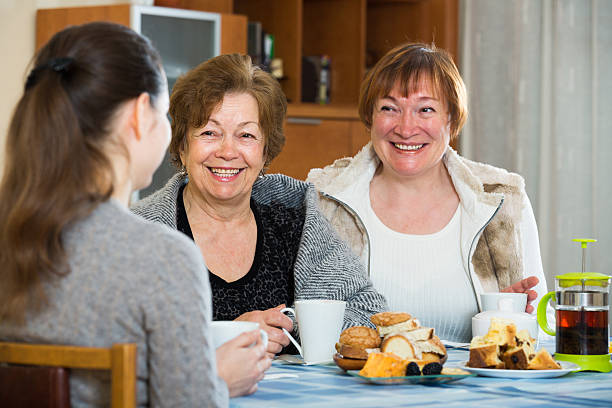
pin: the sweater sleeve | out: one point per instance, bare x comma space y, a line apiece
326, 268
182, 361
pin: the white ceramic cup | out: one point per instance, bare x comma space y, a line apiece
523, 321
225, 330
490, 301
319, 324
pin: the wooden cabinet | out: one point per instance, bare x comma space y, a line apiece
316, 136
232, 35
392, 22
354, 34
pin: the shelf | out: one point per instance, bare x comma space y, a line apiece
393, 1
353, 33
283, 19
337, 28
311, 110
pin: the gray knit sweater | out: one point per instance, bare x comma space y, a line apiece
325, 267
132, 281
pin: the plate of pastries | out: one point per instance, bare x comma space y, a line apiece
398, 351
503, 352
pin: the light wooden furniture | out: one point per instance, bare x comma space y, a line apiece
120, 359
353, 33
316, 136
217, 6
50, 21
34, 386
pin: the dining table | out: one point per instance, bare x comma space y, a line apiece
297, 385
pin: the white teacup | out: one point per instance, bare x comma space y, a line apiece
225, 330
490, 301
523, 321
319, 324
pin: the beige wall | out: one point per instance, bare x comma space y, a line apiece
17, 37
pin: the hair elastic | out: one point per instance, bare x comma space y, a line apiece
60, 65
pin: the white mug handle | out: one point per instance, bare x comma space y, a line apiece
295, 343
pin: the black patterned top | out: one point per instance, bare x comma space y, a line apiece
324, 266
270, 280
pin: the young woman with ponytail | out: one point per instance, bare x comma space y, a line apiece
78, 267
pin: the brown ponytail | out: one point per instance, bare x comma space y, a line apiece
56, 170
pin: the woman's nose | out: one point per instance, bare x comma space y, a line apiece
407, 124
227, 149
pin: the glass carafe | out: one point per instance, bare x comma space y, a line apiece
581, 312
582, 315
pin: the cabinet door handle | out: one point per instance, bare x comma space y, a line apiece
304, 121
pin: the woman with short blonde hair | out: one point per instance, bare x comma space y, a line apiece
435, 228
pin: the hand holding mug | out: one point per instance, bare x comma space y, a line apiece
272, 321
242, 362
524, 286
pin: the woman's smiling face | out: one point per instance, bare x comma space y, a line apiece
410, 133
224, 157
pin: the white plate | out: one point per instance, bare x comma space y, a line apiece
566, 367
415, 379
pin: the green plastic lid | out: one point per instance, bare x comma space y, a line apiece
584, 241
583, 276
587, 279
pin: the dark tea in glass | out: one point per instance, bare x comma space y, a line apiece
581, 308
583, 332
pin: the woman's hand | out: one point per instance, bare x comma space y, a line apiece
524, 286
241, 362
272, 321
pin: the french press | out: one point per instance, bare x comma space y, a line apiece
581, 311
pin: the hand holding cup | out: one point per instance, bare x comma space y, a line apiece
272, 321
242, 362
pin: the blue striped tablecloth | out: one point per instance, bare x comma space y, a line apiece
327, 386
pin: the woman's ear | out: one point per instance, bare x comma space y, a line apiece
141, 115
182, 154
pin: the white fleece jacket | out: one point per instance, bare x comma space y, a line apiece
499, 236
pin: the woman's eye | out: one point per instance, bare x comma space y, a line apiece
208, 133
386, 108
248, 135
428, 109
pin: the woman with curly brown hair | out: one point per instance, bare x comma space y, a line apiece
265, 242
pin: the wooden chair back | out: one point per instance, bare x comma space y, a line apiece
34, 387
120, 359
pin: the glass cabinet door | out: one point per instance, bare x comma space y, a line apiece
184, 38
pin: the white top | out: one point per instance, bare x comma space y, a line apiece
411, 273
